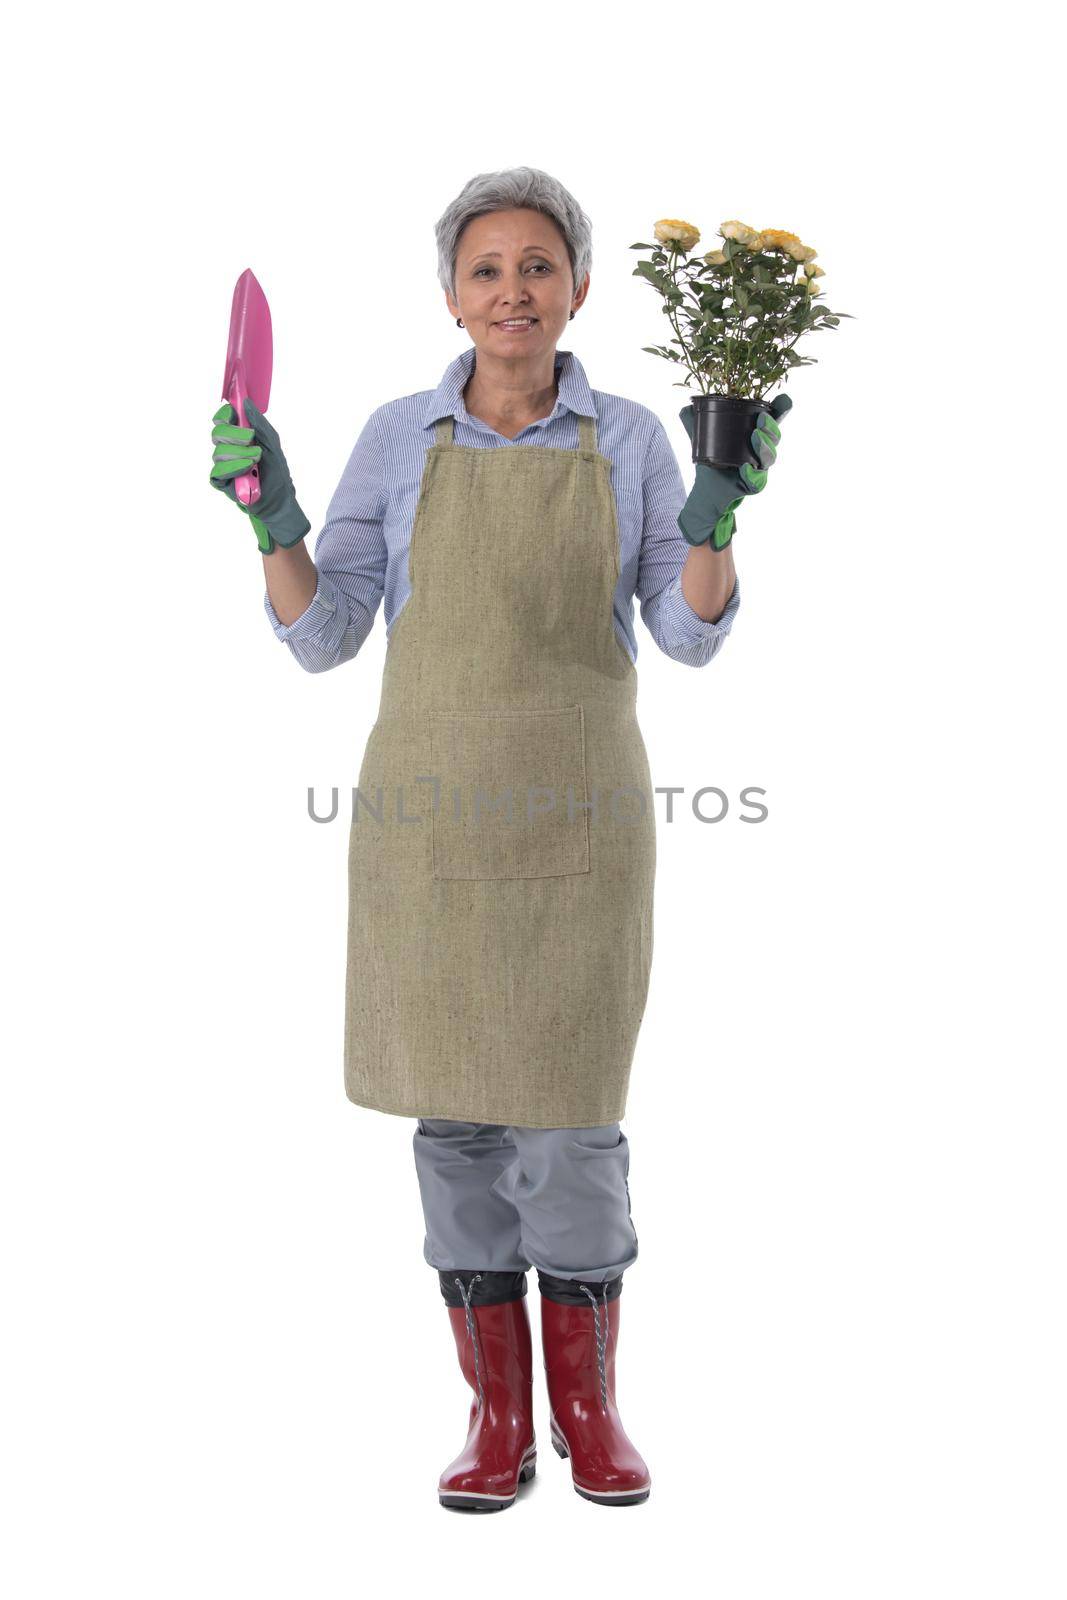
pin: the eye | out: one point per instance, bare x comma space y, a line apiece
536, 264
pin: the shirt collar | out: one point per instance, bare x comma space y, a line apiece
447, 399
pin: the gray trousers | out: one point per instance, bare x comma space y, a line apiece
503, 1199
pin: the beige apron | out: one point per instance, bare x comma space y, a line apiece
503, 844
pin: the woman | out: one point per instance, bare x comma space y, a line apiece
499, 952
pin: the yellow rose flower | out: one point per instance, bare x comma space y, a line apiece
739, 231
671, 230
715, 258
778, 239
815, 272
801, 252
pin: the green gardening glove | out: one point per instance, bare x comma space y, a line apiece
718, 491
276, 517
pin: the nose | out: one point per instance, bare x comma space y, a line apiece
513, 289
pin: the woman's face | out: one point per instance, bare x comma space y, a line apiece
514, 264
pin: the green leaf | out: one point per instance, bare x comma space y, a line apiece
658, 279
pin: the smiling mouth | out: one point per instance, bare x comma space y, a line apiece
516, 324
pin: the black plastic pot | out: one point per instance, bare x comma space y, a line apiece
722, 428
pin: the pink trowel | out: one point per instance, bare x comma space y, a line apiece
249, 365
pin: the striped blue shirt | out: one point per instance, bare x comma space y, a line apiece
362, 550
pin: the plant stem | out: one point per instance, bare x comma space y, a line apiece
671, 319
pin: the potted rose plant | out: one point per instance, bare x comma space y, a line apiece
737, 313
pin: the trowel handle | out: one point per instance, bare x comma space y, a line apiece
245, 487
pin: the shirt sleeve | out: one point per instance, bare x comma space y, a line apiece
677, 629
351, 559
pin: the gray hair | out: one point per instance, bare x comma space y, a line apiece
503, 191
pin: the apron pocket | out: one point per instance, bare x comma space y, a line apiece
512, 798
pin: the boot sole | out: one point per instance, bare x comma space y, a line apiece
605, 1497
472, 1500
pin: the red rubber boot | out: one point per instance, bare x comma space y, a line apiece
496, 1357
579, 1342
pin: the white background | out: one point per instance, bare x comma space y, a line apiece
229, 1371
